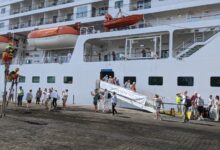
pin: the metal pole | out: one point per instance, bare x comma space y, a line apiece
4, 94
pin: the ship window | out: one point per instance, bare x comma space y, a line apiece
144, 4
119, 4
81, 12
35, 79
68, 80
155, 80
21, 79
215, 81
185, 81
2, 24
51, 79
2, 10
131, 78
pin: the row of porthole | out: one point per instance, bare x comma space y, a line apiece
50, 79
152, 80
181, 81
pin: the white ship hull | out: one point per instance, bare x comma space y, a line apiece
84, 74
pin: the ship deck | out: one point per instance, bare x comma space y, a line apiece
79, 128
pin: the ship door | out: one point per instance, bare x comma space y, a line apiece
105, 72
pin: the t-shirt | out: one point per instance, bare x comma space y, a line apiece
114, 99
200, 102
21, 92
158, 102
29, 96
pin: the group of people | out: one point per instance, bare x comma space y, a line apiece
130, 86
197, 105
102, 100
110, 79
115, 80
47, 97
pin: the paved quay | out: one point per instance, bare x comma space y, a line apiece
79, 128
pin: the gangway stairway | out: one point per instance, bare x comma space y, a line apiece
188, 48
128, 96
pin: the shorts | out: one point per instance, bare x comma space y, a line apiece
95, 103
200, 109
29, 101
158, 109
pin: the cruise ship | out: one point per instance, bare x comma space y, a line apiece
164, 46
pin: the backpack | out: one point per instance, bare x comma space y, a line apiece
188, 102
109, 95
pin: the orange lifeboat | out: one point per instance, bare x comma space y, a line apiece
123, 21
4, 42
53, 38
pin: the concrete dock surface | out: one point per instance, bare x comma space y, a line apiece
80, 128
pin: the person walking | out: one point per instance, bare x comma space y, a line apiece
11, 95
54, 96
29, 97
96, 97
217, 107
210, 104
158, 104
186, 104
114, 101
20, 95
44, 96
48, 99
38, 96
106, 97
194, 106
178, 102
200, 106
64, 98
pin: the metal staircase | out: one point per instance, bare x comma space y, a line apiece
190, 51
141, 101
189, 47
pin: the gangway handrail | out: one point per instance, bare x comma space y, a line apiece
138, 100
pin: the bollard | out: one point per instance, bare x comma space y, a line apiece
172, 112
73, 99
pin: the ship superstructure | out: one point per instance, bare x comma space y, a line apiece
173, 48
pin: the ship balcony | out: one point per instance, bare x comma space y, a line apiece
65, 15
99, 9
51, 17
15, 9
139, 4
51, 3
56, 59
36, 4
123, 48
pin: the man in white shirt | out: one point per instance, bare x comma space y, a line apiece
54, 96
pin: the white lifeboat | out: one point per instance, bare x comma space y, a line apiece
4, 42
53, 38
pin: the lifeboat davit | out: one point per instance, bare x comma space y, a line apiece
4, 42
53, 38
123, 21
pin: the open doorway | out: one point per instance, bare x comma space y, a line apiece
105, 72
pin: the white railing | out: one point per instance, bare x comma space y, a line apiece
188, 43
134, 98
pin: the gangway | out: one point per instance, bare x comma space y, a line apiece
141, 101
